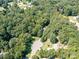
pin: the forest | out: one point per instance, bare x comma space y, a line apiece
22, 22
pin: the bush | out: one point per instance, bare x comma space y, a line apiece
35, 57
70, 11
46, 53
53, 38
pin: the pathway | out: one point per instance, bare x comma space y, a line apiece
36, 46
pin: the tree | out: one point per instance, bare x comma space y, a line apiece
46, 53
53, 38
12, 42
23, 45
8, 56
70, 11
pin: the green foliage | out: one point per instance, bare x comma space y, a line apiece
4, 3
35, 57
53, 38
70, 11
45, 20
71, 53
36, 29
68, 34
8, 56
19, 47
46, 53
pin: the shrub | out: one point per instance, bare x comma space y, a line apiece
35, 57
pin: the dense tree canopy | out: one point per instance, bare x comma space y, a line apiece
47, 19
